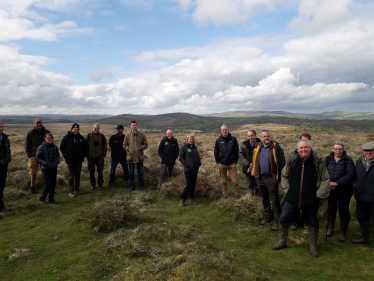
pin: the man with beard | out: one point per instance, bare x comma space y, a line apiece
33, 140
268, 162
73, 148
226, 154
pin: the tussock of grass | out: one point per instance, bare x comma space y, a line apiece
169, 253
110, 214
12, 194
205, 187
17, 252
248, 206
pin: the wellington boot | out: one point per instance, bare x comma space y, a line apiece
330, 226
365, 230
283, 234
344, 222
32, 190
192, 202
181, 203
313, 237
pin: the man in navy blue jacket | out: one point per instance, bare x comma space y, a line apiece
226, 153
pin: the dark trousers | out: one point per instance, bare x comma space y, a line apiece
165, 168
3, 174
139, 167
74, 176
191, 178
50, 177
113, 168
99, 164
251, 185
340, 198
291, 214
365, 212
269, 191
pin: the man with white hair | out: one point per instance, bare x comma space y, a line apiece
267, 165
306, 186
168, 150
226, 154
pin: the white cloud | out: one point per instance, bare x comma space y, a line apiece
97, 75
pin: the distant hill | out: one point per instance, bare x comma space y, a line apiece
51, 118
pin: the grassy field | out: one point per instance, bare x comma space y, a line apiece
113, 235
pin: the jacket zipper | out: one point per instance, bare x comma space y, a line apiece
301, 184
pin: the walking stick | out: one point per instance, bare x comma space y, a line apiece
328, 221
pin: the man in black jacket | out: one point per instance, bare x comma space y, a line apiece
226, 154
246, 155
73, 148
5, 158
168, 151
364, 192
118, 155
34, 139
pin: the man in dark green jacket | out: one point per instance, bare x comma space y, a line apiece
97, 149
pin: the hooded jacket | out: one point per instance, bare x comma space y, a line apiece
226, 150
189, 157
5, 154
33, 140
246, 154
135, 144
322, 182
168, 150
73, 148
48, 156
364, 189
276, 157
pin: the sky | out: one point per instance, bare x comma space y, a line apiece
197, 56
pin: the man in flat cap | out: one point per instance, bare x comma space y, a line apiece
364, 192
34, 139
118, 155
73, 148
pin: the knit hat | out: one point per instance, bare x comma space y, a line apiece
75, 125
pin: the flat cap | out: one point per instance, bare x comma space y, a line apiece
368, 146
38, 120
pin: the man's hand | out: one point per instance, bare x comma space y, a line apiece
250, 168
333, 185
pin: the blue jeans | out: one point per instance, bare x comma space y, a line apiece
139, 167
113, 168
291, 214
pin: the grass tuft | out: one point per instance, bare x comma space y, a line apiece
17, 252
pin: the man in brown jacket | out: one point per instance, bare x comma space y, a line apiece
135, 143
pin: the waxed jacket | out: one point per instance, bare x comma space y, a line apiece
168, 150
33, 140
342, 172
6, 156
364, 187
135, 144
73, 148
48, 156
226, 150
323, 181
246, 154
276, 157
189, 157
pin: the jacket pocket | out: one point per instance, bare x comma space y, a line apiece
141, 155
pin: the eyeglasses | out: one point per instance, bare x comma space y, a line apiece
338, 149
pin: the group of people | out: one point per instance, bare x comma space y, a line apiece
309, 183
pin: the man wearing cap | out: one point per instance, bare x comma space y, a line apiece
168, 150
364, 192
33, 140
96, 152
73, 148
135, 143
118, 155
5, 158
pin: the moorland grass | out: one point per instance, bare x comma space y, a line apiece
97, 237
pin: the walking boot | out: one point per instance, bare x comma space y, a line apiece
131, 189
365, 230
93, 187
344, 222
72, 195
294, 226
283, 235
330, 226
32, 190
78, 191
313, 237
181, 203
192, 202
265, 220
100, 186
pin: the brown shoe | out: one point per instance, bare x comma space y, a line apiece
32, 190
93, 187
78, 191
192, 202
306, 227
181, 203
100, 186
293, 226
265, 220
